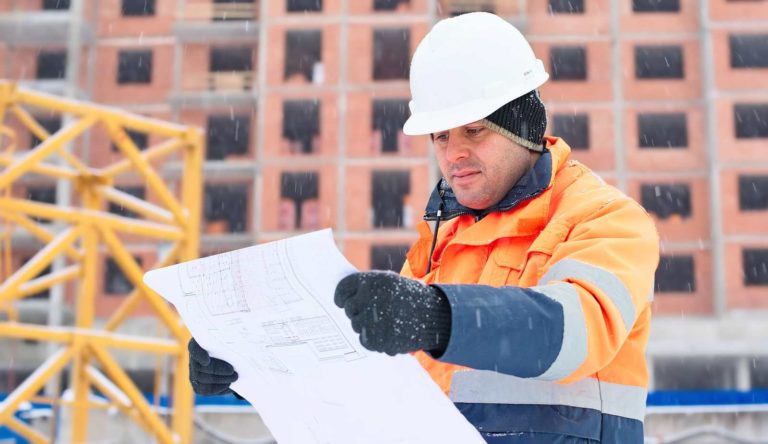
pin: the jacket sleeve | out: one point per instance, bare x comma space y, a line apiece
572, 324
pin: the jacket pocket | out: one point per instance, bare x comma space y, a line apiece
505, 263
538, 256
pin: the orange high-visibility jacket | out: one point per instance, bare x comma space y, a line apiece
550, 294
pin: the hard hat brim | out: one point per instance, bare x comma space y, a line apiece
445, 119
422, 123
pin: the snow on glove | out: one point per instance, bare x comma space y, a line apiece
394, 314
209, 376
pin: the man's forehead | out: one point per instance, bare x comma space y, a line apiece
475, 123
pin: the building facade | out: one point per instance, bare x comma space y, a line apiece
303, 103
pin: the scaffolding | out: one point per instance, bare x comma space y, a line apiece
79, 234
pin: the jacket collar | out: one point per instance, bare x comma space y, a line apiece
533, 183
531, 220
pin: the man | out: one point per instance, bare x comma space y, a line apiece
529, 302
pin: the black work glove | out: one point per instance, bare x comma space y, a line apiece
394, 314
209, 376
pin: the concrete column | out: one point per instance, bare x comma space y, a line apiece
743, 380
715, 205
63, 186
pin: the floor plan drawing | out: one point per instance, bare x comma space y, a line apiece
268, 310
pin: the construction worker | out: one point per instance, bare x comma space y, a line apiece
529, 300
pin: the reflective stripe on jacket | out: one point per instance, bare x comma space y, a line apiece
552, 340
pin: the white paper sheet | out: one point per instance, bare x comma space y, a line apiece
269, 311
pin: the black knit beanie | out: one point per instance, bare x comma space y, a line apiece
522, 120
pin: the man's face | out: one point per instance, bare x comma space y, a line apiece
480, 165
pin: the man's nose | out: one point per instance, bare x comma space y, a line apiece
455, 151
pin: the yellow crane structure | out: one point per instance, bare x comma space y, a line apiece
85, 231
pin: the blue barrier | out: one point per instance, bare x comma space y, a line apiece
8, 434
655, 399
707, 397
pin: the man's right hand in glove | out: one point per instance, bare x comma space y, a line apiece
395, 314
209, 376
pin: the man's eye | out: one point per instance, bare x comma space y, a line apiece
441, 137
474, 131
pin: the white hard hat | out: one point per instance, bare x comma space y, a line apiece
465, 69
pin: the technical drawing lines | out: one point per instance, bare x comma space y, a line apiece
223, 287
218, 281
277, 279
318, 331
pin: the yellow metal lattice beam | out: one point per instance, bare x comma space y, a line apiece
80, 233
122, 380
34, 382
43, 258
26, 431
35, 229
49, 146
79, 216
41, 133
136, 296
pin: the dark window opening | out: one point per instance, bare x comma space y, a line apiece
388, 257
753, 193
751, 121
389, 190
388, 5
227, 134
141, 140
659, 62
566, 6
43, 194
51, 64
573, 128
459, 8
143, 379
132, 8
759, 373
135, 191
304, 5
44, 294
568, 62
675, 274
656, 5
231, 59
667, 200
389, 116
227, 203
50, 124
755, 266
117, 283
391, 53
662, 130
299, 187
749, 50
301, 124
303, 54
134, 66
56, 4
694, 373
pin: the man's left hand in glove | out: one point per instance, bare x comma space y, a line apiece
394, 314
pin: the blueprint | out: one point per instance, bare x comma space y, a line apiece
268, 310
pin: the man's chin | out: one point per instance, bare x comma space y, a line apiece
472, 203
